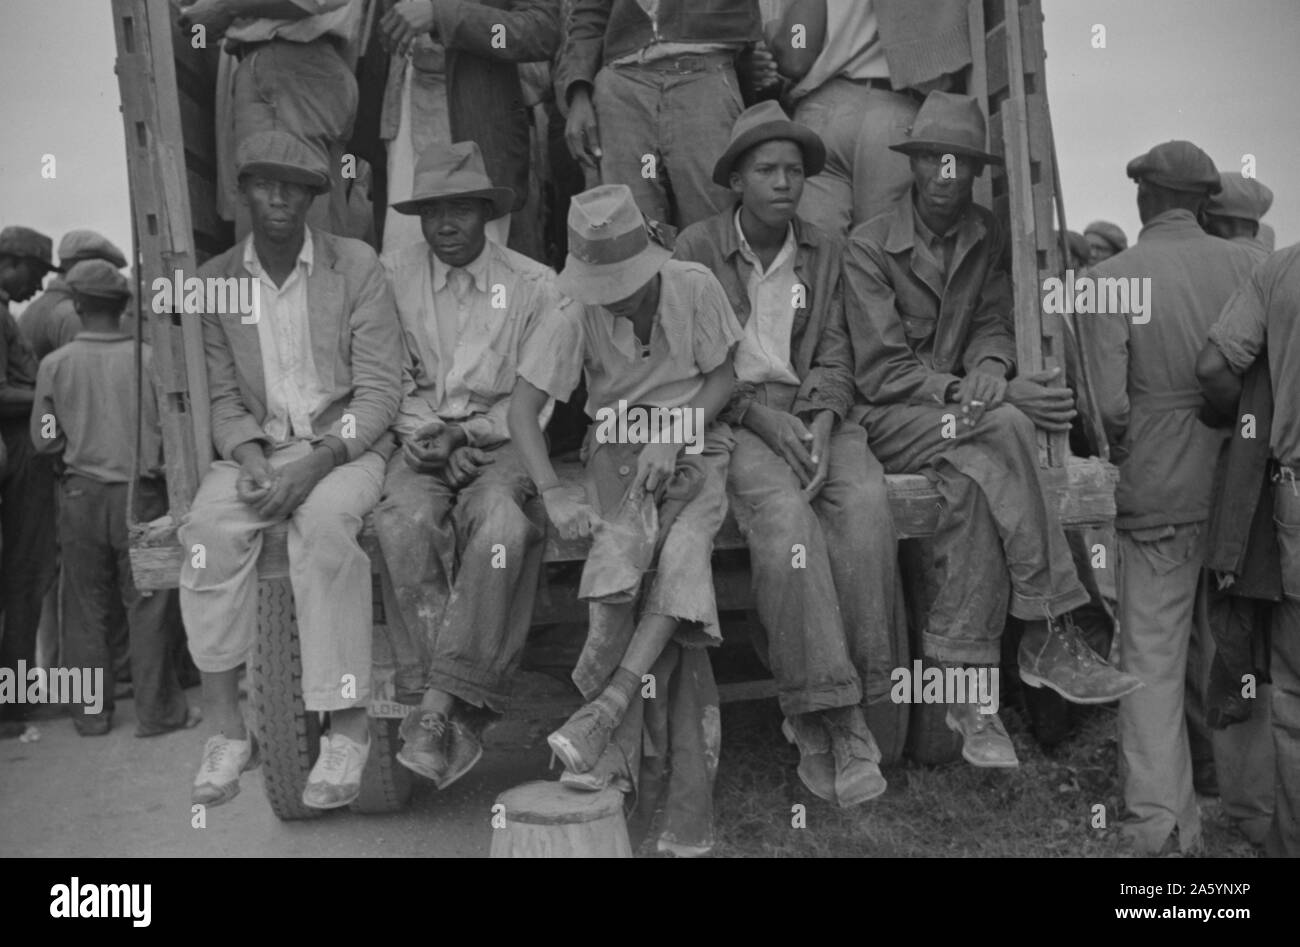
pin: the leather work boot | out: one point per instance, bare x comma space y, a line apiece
464, 750
583, 738
816, 763
425, 744
857, 758
984, 740
1055, 654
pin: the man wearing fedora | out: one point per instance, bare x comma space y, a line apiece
1145, 379
26, 491
460, 523
651, 332
1235, 212
797, 474
85, 410
303, 394
931, 322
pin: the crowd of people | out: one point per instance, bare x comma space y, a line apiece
768, 223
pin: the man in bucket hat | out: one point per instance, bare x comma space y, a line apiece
1145, 378
930, 318
26, 538
658, 333
797, 474
85, 411
303, 393
460, 523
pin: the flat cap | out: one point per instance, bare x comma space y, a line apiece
28, 243
1177, 166
1109, 232
98, 279
283, 157
79, 245
1241, 197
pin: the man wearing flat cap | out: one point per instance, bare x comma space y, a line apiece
85, 410
1235, 212
1104, 240
51, 321
302, 398
460, 524
25, 487
797, 474
931, 321
1145, 378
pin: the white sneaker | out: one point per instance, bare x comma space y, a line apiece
335, 780
223, 760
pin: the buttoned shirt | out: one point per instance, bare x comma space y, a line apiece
340, 18
693, 332
85, 401
294, 394
464, 329
852, 49
1265, 311
763, 354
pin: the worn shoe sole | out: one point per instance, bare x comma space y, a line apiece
418, 768
453, 775
1033, 680
955, 727
590, 782
230, 790
876, 790
347, 800
567, 752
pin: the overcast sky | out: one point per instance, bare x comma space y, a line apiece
1222, 73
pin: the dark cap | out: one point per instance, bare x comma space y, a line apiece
1177, 166
1241, 197
98, 279
283, 157
79, 245
28, 244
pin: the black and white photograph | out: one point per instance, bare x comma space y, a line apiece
657, 429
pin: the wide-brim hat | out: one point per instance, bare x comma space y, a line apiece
767, 121
454, 170
611, 253
950, 124
283, 157
28, 244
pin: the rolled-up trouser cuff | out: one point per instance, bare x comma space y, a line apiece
1038, 608
961, 651
217, 663
333, 699
474, 686
806, 701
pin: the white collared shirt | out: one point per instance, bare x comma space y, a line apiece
294, 396
763, 354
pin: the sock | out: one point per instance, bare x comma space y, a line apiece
616, 696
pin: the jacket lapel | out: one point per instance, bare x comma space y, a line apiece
245, 345
325, 291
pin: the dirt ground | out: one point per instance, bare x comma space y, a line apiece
65, 795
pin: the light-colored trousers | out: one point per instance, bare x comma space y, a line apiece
1159, 570
328, 569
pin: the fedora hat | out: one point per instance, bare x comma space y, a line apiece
283, 157
611, 254
767, 121
950, 124
455, 170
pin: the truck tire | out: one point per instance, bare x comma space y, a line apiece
385, 783
288, 734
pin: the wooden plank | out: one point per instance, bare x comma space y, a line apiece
1083, 492
977, 86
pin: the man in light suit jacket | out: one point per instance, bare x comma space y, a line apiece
302, 393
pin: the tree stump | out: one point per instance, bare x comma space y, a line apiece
549, 820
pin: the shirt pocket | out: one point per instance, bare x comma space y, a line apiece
1172, 550
491, 375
